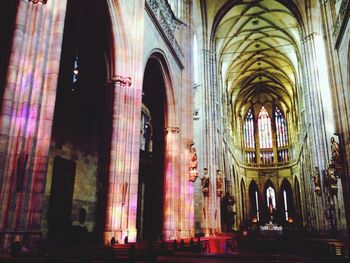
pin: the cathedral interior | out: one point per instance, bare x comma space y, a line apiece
175, 131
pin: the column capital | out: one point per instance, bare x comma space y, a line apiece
310, 36
120, 80
38, 1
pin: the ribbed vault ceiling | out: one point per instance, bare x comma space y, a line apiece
257, 46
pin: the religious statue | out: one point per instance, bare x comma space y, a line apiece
335, 151
332, 178
228, 213
205, 183
335, 163
219, 180
316, 179
193, 165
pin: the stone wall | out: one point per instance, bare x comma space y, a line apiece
84, 194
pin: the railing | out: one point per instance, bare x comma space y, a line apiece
166, 22
229, 246
269, 165
205, 248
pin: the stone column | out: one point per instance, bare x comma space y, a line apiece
26, 118
172, 185
317, 130
208, 149
124, 156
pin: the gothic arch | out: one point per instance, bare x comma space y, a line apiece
243, 201
159, 56
297, 201
268, 184
254, 202
119, 51
286, 214
172, 219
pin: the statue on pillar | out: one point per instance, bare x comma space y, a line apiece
335, 151
336, 162
316, 180
227, 210
205, 183
332, 178
219, 180
193, 164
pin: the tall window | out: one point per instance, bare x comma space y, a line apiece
257, 206
285, 204
281, 136
281, 128
249, 141
271, 141
264, 128
271, 197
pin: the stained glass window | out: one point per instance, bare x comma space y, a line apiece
281, 128
249, 141
264, 128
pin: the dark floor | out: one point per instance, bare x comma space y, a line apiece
217, 249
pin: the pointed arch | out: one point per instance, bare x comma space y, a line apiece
264, 129
286, 201
160, 58
243, 200
298, 215
254, 202
270, 194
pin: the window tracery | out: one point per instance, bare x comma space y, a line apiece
272, 137
264, 128
281, 136
249, 140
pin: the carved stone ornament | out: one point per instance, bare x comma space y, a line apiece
219, 180
172, 130
193, 164
332, 180
316, 180
336, 162
205, 183
122, 81
38, 1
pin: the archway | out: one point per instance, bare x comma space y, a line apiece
270, 208
286, 208
80, 135
243, 202
254, 202
298, 218
152, 153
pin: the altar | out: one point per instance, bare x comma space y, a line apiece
271, 229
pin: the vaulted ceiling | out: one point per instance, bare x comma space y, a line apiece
257, 45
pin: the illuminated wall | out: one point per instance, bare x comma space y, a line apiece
26, 118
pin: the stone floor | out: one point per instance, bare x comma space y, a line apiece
242, 250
